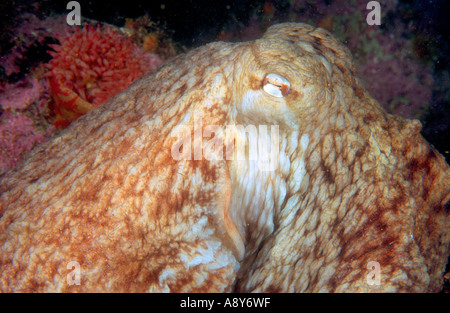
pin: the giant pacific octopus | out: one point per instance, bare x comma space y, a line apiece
357, 201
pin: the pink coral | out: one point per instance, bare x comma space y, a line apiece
401, 85
17, 132
32, 30
17, 136
20, 95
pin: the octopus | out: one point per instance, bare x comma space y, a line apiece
146, 193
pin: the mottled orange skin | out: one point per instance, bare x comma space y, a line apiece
354, 185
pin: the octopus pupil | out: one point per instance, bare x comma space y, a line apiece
274, 83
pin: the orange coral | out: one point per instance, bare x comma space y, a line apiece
151, 43
268, 8
91, 66
327, 22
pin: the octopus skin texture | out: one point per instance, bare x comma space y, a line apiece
356, 194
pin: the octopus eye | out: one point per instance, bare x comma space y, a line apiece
276, 85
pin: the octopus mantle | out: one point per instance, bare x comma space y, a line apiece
357, 201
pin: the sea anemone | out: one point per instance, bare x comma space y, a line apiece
91, 66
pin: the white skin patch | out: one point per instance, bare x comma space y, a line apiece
326, 64
249, 100
298, 166
304, 142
